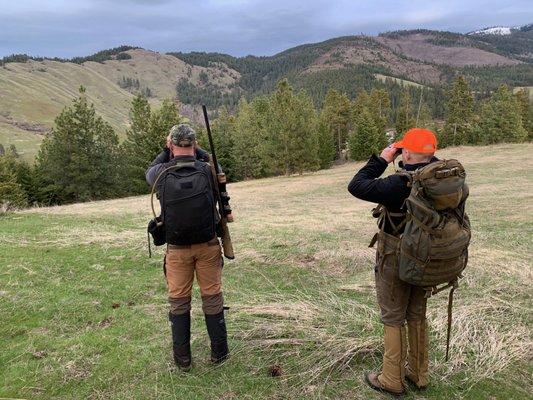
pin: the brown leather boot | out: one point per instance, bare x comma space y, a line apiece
417, 357
391, 378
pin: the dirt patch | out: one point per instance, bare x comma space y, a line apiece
105, 322
295, 311
357, 288
418, 47
38, 129
77, 370
347, 54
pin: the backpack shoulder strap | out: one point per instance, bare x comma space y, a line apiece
409, 175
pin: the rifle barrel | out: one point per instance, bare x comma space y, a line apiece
211, 143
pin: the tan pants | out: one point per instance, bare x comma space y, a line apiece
398, 300
181, 264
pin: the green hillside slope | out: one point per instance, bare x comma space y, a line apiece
34, 92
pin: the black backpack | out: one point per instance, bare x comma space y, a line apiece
188, 213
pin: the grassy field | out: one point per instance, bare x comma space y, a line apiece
84, 313
27, 143
383, 78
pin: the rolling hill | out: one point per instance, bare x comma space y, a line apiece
34, 90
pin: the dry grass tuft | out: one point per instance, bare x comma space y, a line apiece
482, 329
325, 334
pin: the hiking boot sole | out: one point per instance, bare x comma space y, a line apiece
380, 388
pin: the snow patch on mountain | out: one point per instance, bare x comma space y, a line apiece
495, 30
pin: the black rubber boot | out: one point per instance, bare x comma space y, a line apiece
216, 328
181, 340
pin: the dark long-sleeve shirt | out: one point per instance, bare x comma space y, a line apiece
390, 191
163, 160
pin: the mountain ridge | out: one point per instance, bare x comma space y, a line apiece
33, 90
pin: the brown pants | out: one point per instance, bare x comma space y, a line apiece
398, 300
181, 263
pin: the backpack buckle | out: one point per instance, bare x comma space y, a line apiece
376, 211
445, 173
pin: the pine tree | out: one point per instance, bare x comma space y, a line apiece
292, 131
223, 131
425, 119
162, 120
526, 111
79, 159
12, 194
140, 113
28, 178
250, 137
404, 113
362, 142
500, 119
145, 139
360, 104
326, 145
25, 175
139, 148
459, 113
379, 107
335, 120
305, 150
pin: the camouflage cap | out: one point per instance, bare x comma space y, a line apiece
182, 135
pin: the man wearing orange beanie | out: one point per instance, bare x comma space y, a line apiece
399, 301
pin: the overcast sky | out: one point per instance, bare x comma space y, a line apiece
67, 28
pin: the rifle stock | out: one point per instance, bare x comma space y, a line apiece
219, 179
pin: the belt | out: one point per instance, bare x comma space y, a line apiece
212, 242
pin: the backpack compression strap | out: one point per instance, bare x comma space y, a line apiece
430, 291
449, 330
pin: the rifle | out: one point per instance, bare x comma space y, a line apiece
221, 193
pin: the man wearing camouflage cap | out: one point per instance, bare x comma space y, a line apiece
186, 191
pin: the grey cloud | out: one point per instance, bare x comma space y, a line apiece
239, 27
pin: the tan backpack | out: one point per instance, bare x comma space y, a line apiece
434, 244
433, 248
